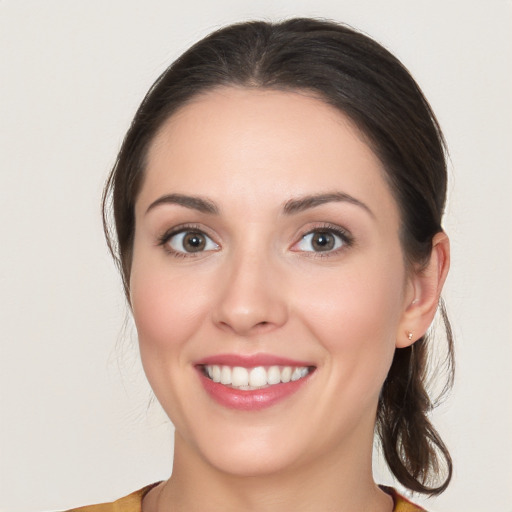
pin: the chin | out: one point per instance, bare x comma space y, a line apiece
248, 463
253, 453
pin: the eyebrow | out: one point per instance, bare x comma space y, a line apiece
291, 207
200, 204
304, 203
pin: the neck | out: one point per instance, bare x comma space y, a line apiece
341, 481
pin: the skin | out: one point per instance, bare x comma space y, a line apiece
261, 287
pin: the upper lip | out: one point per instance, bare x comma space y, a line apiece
250, 361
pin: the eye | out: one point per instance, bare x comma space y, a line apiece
322, 240
189, 241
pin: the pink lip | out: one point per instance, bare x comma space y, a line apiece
249, 400
250, 361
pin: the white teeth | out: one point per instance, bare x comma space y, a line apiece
239, 376
273, 375
286, 374
296, 374
254, 378
258, 377
225, 375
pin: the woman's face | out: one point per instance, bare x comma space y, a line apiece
267, 256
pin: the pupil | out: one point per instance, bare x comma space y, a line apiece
323, 241
194, 242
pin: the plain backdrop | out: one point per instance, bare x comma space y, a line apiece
76, 421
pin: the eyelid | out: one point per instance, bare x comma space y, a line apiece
340, 232
163, 239
343, 234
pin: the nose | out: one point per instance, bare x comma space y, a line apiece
252, 296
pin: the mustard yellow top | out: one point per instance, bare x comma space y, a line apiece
133, 503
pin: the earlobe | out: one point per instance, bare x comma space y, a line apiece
426, 286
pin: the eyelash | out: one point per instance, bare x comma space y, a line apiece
164, 239
345, 236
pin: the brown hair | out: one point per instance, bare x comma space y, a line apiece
356, 75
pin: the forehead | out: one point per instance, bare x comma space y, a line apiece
255, 144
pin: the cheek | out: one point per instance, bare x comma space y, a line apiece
164, 311
356, 317
167, 310
167, 313
358, 301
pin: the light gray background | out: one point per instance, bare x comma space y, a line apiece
74, 426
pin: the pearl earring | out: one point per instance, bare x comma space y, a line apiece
409, 336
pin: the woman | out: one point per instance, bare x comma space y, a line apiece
277, 205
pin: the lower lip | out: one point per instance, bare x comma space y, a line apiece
250, 400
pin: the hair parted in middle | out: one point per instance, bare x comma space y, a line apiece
360, 78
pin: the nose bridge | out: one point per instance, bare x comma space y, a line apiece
251, 298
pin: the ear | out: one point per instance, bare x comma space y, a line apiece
423, 293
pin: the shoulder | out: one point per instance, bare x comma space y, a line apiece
130, 503
402, 504
133, 502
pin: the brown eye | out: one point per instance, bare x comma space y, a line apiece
191, 241
194, 242
322, 241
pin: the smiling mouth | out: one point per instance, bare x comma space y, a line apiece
258, 377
